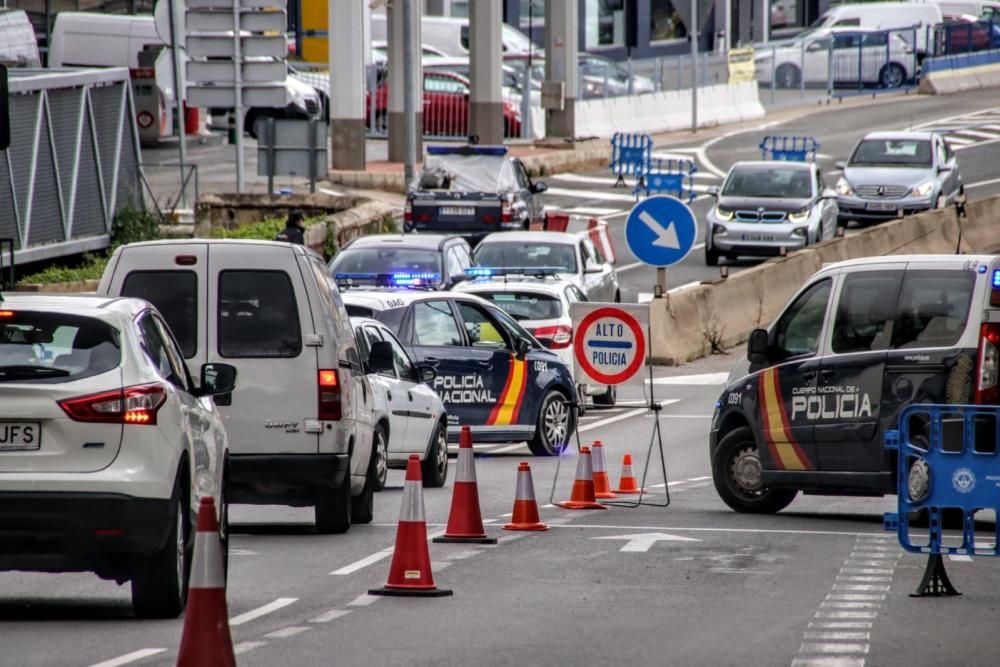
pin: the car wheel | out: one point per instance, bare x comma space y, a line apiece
224, 521
608, 398
363, 507
736, 471
787, 76
434, 468
618, 296
160, 580
333, 508
555, 424
380, 453
711, 256
892, 76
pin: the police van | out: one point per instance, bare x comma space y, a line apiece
491, 374
859, 342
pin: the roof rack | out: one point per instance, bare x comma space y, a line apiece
786, 148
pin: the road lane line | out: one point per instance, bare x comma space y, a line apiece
508, 448
992, 181
285, 633
246, 647
978, 144
363, 563
130, 657
834, 648
689, 529
331, 615
622, 417
837, 636
280, 603
364, 600
829, 661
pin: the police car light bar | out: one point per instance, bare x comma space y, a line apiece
400, 279
467, 150
490, 271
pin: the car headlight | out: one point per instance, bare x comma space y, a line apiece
924, 189
843, 187
801, 232
723, 214
799, 216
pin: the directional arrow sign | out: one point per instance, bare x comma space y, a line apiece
665, 238
641, 542
661, 231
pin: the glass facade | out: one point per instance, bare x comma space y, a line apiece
604, 23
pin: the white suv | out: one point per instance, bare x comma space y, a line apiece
106, 445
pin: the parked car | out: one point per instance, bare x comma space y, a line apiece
107, 445
301, 421
914, 17
451, 35
438, 261
599, 76
892, 174
409, 415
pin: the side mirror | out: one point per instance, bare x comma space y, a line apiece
757, 347
521, 348
944, 168
840, 164
712, 191
380, 358
593, 267
426, 374
539, 188
217, 379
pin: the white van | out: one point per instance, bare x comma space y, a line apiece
300, 423
885, 16
451, 35
978, 9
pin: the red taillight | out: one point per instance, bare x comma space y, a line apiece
6, 313
423, 217
132, 405
506, 215
557, 337
988, 370
408, 211
329, 395
489, 218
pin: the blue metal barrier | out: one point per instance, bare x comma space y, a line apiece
630, 155
672, 176
789, 148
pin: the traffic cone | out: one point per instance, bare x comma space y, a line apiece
525, 507
582, 497
627, 483
465, 521
205, 641
410, 572
602, 487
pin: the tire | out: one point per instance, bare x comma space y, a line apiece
892, 76
554, 426
787, 76
363, 507
380, 454
434, 468
160, 580
618, 296
333, 508
711, 256
608, 398
224, 521
736, 457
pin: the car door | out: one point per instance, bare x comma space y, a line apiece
395, 395
606, 284
846, 58
817, 60
420, 399
850, 384
827, 209
532, 202
950, 179
596, 283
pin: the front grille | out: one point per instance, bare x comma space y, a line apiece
882, 191
760, 216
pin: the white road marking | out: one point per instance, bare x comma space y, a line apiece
629, 267
280, 603
595, 196
441, 565
838, 636
866, 570
978, 134
834, 648
992, 181
861, 587
242, 552
285, 633
702, 379
848, 604
846, 614
843, 625
508, 448
952, 139
130, 657
960, 558
246, 647
622, 417
856, 577
855, 596
364, 562
364, 600
689, 529
590, 210
331, 615
469, 553
976, 144
642, 542
872, 554
828, 661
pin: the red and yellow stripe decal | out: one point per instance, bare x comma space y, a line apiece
506, 410
785, 452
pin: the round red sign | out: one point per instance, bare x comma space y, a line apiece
610, 346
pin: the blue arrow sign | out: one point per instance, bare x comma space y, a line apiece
660, 231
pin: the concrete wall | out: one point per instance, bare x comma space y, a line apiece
690, 323
957, 73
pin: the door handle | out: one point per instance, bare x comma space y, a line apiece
809, 375
431, 361
388, 395
485, 364
826, 374
409, 394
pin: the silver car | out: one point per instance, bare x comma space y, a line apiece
764, 207
892, 174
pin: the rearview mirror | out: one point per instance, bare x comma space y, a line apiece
712, 191
521, 348
593, 266
217, 379
944, 168
427, 374
757, 347
840, 164
539, 188
380, 358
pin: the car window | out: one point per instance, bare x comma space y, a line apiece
526, 305
846, 41
535, 255
574, 294
847, 22
877, 38
865, 311
174, 352
593, 251
452, 265
522, 175
820, 185
942, 154
175, 295
404, 365
258, 316
933, 308
45, 347
464, 257
434, 324
158, 351
364, 349
511, 329
797, 332
480, 327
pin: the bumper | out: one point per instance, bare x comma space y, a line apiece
758, 238
855, 208
284, 479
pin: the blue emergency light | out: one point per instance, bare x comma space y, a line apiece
996, 279
399, 279
491, 271
467, 150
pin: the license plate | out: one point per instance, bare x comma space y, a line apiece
880, 206
757, 237
466, 211
20, 436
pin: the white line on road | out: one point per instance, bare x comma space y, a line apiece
992, 181
246, 647
130, 657
952, 139
978, 144
834, 648
285, 633
829, 661
280, 603
838, 636
363, 563
622, 417
978, 134
508, 448
760, 531
364, 600
331, 615
594, 196
706, 379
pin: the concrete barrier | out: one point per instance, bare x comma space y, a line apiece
715, 315
956, 73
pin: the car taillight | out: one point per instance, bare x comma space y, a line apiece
132, 405
987, 391
408, 211
329, 395
506, 214
558, 337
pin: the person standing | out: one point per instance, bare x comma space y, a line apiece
294, 231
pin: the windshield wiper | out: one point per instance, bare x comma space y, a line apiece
24, 372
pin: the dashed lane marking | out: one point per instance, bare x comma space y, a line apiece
364, 600
130, 657
705, 379
622, 417
992, 181
285, 633
331, 615
246, 647
253, 614
363, 563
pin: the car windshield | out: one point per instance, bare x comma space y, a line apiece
769, 181
517, 40
892, 153
55, 347
386, 259
467, 173
524, 305
556, 255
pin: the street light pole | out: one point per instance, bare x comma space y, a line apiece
693, 33
409, 108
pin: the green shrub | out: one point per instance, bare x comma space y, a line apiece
265, 230
132, 226
91, 269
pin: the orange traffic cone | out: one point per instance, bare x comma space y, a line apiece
602, 486
410, 572
582, 497
627, 483
525, 506
465, 521
206, 640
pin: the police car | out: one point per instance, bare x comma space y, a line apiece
386, 254
540, 301
491, 374
860, 341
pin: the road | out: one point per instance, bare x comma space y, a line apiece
820, 583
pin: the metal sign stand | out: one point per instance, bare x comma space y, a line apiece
935, 582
